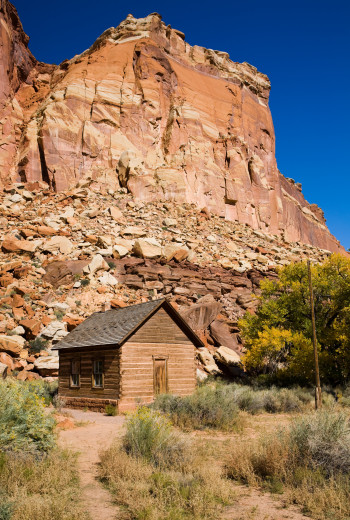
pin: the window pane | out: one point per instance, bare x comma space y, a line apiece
98, 366
98, 380
75, 379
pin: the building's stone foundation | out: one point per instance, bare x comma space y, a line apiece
93, 404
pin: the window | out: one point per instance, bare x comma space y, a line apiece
97, 374
75, 373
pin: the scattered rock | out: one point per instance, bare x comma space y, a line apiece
200, 315
11, 344
58, 244
147, 248
227, 357
3, 370
47, 366
98, 263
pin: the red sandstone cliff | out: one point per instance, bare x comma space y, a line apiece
143, 109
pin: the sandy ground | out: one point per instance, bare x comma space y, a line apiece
94, 432
255, 505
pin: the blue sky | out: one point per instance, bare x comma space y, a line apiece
302, 45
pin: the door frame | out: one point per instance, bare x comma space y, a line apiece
160, 358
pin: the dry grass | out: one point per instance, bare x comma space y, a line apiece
32, 488
157, 473
148, 493
307, 462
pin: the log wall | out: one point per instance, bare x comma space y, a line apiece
159, 337
110, 357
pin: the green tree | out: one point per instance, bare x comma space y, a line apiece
278, 337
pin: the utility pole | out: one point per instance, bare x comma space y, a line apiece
318, 396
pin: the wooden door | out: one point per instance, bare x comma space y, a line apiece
160, 376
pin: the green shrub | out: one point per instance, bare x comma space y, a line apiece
59, 314
322, 439
24, 425
38, 344
207, 407
85, 282
42, 388
150, 436
216, 405
111, 410
5, 508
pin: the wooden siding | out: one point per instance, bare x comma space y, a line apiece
160, 328
86, 356
129, 370
137, 370
160, 337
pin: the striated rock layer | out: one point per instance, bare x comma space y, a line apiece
144, 110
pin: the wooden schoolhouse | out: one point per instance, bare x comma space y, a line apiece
127, 356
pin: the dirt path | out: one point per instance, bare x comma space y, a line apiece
88, 439
255, 505
97, 431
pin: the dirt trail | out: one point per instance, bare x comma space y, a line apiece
96, 433
88, 439
255, 505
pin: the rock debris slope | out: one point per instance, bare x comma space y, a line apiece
143, 110
64, 256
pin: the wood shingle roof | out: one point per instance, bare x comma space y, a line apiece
115, 326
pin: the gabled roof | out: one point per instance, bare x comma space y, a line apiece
115, 326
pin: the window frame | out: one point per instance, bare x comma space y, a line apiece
77, 372
100, 373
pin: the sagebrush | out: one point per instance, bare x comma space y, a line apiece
217, 405
309, 462
24, 424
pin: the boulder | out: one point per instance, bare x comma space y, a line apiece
200, 315
227, 357
133, 231
98, 263
3, 370
117, 304
13, 245
58, 244
170, 222
46, 231
119, 251
176, 252
116, 214
72, 322
221, 334
11, 344
62, 272
56, 330
6, 280
201, 376
147, 248
208, 361
7, 360
47, 365
32, 328
108, 279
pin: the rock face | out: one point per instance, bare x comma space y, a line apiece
143, 110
